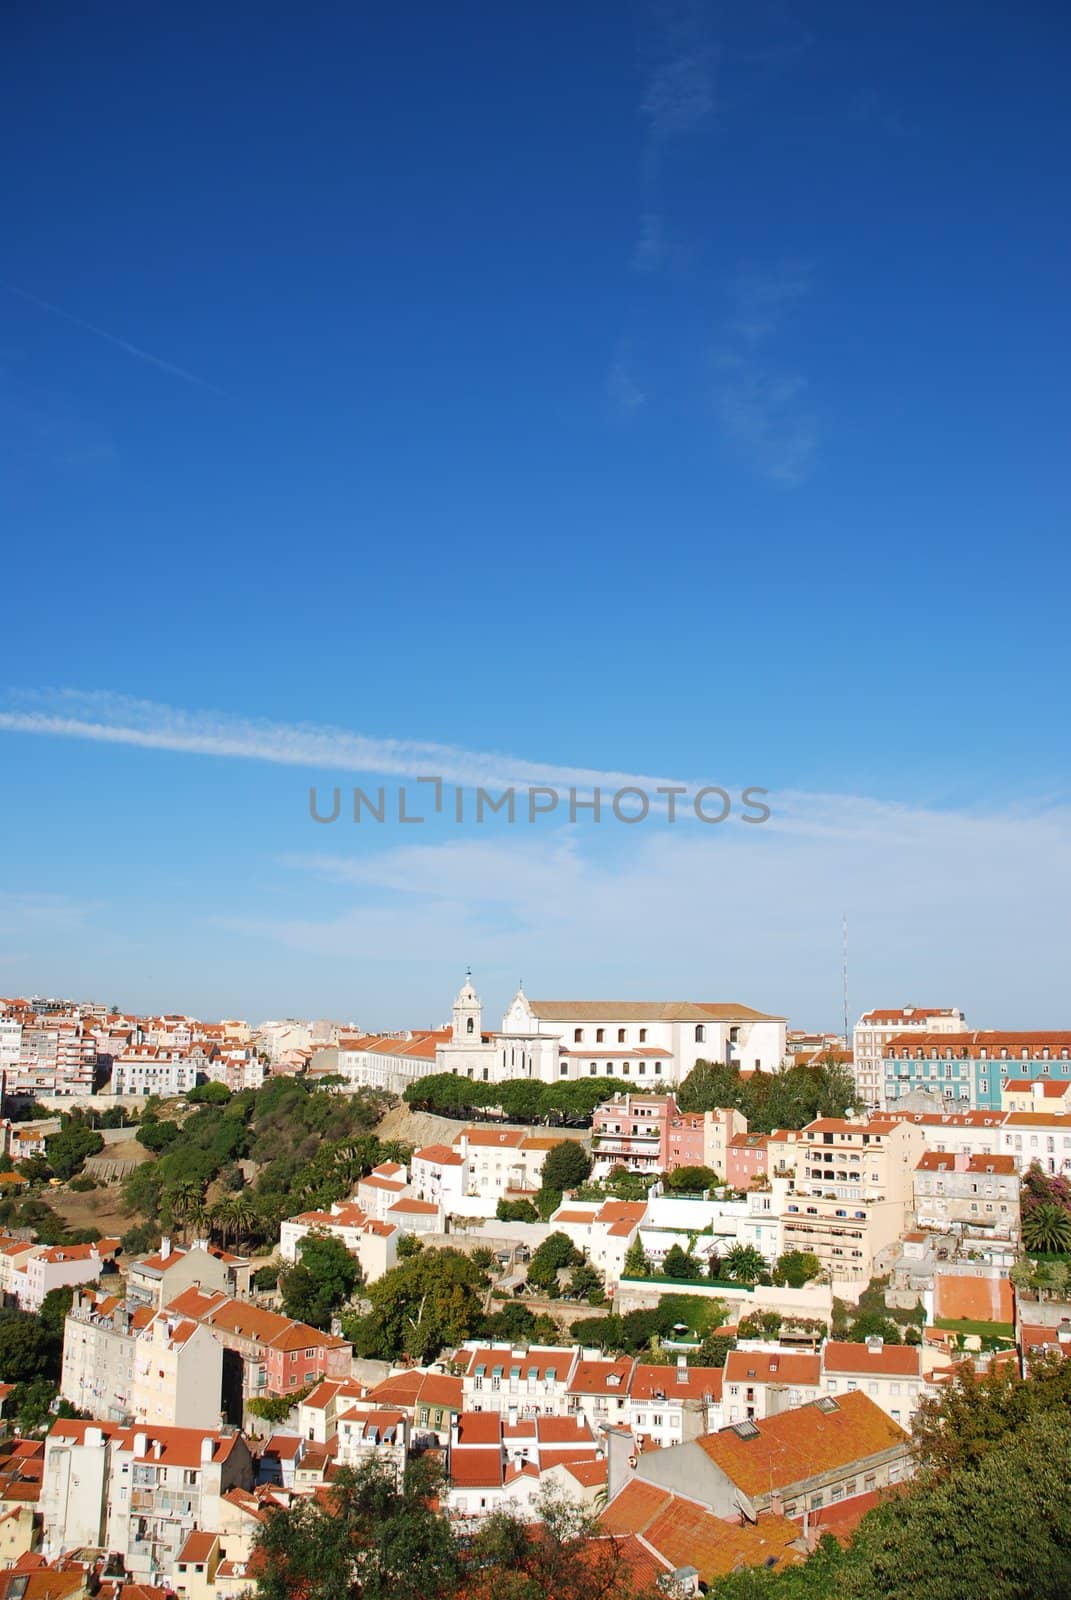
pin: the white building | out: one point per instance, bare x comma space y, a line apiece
139, 1492
551, 1040
891, 1374
125, 1363
149, 1069
59, 1266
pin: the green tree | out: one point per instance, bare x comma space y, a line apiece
566, 1165
586, 1284
744, 1263
211, 1094
26, 1349
637, 1263
710, 1086
321, 1282
69, 1149
157, 1136
681, 1264
516, 1211
433, 1300
369, 1540
977, 1411
556, 1251
690, 1180
796, 1268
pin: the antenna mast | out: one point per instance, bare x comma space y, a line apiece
844, 973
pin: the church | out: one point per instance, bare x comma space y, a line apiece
654, 1042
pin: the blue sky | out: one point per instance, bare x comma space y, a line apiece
669, 390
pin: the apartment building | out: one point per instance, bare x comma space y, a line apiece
500, 1161
492, 1463
633, 1131
760, 1383
969, 1070
379, 1189
155, 1279
432, 1400
59, 1266
704, 1140
146, 1069
440, 1174
669, 1404
891, 1375
747, 1160
524, 1382
797, 1462
974, 1196
849, 1191
57, 1058
388, 1061
876, 1028
139, 1492
277, 1354
1041, 1136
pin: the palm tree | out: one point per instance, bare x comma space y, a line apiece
186, 1200
243, 1214
1047, 1229
744, 1263
224, 1222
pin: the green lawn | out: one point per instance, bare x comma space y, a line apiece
985, 1330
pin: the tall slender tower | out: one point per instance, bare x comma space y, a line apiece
468, 1013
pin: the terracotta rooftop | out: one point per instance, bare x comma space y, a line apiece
802, 1443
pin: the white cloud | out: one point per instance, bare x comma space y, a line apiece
935, 903
764, 417
116, 719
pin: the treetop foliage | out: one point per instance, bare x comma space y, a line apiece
787, 1099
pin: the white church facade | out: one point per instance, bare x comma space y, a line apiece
652, 1042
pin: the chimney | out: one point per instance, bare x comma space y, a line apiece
512, 1417
208, 1445
620, 1460
141, 1444
157, 1449
165, 1247
682, 1369
94, 1438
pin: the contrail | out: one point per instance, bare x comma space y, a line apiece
102, 333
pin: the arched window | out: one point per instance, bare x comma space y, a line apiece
470, 1026
700, 1033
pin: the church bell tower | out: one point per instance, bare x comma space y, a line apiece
468, 1012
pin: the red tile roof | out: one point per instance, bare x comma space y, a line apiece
760, 1366
802, 1443
891, 1360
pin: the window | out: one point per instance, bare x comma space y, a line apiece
600, 1035
578, 1035
620, 1035
700, 1033
643, 1037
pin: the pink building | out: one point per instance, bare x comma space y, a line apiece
746, 1159
687, 1141
632, 1130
